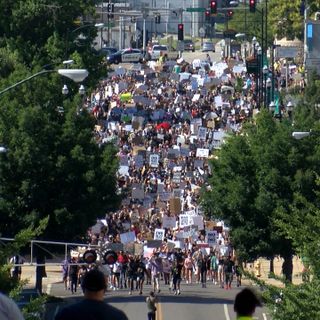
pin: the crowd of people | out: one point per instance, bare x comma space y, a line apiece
166, 120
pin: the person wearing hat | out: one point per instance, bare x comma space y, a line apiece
92, 306
245, 304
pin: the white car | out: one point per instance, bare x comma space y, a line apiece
208, 46
125, 55
156, 49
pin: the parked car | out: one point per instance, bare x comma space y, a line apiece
208, 46
125, 55
189, 45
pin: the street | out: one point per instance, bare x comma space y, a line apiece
193, 303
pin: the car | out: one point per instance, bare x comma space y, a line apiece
125, 55
107, 51
208, 46
156, 49
189, 45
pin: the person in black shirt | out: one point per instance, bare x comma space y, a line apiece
92, 307
228, 272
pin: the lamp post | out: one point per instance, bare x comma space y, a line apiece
268, 86
77, 75
259, 75
265, 71
289, 108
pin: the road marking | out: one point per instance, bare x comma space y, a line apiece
226, 312
159, 311
264, 316
49, 287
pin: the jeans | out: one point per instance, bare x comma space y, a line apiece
151, 315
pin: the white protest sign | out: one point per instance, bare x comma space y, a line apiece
184, 220
159, 234
154, 160
212, 237
198, 221
202, 133
202, 153
128, 237
123, 171
191, 212
169, 222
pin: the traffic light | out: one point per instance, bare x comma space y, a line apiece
207, 15
110, 10
252, 5
180, 32
157, 19
213, 7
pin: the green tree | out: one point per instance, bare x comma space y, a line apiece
253, 179
53, 166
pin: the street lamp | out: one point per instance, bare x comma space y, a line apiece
3, 149
272, 107
301, 134
77, 75
289, 108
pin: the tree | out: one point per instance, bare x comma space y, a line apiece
53, 166
253, 179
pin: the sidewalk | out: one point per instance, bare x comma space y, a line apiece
265, 267
54, 275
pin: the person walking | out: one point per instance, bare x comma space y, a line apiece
151, 306
92, 306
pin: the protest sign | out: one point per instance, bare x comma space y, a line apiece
154, 160
190, 212
159, 234
176, 177
115, 246
202, 153
138, 249
129, 248
175, 205
198, 163
212, 238
202, 133
184, 220
154, 243
198, 221
168, 222
127, 237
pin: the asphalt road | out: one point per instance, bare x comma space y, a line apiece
193, 303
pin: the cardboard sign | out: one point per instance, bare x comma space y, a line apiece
191, 212
168, 222
202, 153
154, 160
175, 205
138, 249
128, 237
159, 234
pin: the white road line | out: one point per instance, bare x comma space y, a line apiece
264, 316
49, 287
226, 312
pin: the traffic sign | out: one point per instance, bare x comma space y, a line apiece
202, 32
196, 9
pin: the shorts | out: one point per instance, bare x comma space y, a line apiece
220, 268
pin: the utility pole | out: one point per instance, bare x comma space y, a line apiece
144, 16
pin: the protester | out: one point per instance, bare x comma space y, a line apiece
92, 306
8, 309
245, 304
151, 306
